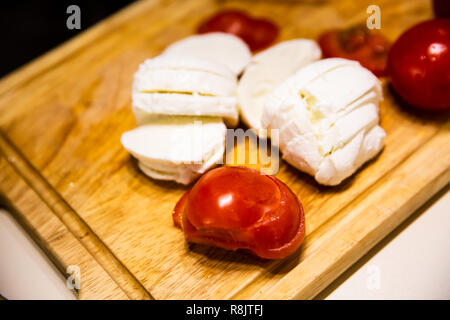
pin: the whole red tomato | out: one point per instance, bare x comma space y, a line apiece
357, 43
419, 65
258, 33
239, 208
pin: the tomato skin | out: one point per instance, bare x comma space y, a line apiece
258, 33
230, 21
239, 208
357, 43
261, 34
419, 65
179, 209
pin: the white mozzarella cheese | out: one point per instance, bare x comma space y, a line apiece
177, 148
268, 69
185, 81
347, 127
222, 47
193, 105
353, 81
327, 114
290, 87
183, 85
186, 62
180, 173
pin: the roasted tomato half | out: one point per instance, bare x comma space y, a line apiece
357, 43
240, 208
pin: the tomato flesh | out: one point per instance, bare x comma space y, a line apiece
239, 208
258, 33
357, 43
419, 65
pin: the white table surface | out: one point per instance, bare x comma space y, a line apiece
25, 271
411, 263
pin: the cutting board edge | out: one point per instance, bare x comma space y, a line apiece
36, 185
26, 74
96, 283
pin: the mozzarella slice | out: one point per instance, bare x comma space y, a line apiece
221, 47
267, 70
183, 85
192, 104
185, 81
187, 62
327, 114
177, 148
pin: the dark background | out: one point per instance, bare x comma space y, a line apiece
29, 28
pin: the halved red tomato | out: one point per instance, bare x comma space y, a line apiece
240, 208
230, 21
258, 33
357, 43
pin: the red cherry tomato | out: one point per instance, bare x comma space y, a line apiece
257, 33
239, 208
419, 65
261, 34
230, 21
357, 43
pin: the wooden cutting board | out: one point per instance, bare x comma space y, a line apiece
66, 176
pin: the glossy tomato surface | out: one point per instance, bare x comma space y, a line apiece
419, 65
239, 208
357, 43
261, 34
230, 21
258, 33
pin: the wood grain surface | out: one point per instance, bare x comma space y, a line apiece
61, 118
56, 240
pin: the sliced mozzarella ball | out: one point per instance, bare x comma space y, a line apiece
354, 82
186, 62
180, 174
185, 81
193, 105
327, 114
177, 148
290, 87
267, 70
183, 85
346, 128
344, 162
222, 47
